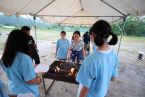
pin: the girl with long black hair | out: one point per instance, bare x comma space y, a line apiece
17, 64
101, 66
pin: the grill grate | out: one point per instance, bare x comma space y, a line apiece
62, 71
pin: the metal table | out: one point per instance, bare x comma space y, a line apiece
56, 76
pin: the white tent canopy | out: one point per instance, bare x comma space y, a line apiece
74, 12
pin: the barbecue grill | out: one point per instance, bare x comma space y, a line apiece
61, 71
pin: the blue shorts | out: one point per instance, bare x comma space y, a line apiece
76, 55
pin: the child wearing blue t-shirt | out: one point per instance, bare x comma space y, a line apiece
3, 91
101, 66
18, 65
62, 47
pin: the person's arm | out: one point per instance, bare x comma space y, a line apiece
69, 51
27, 70
114, 75
68, 48
84, 92
84, 51
56, 52
86, 76
115, 71
57, 45
69, 54
34, 81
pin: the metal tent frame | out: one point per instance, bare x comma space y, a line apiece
122, 16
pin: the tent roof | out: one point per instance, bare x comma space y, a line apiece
74, 12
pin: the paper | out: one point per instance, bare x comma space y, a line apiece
79, 89
41, 68
26, 95
0, 56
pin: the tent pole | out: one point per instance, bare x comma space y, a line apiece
77, 16
69, 17
122, 30
30, 20
113, 7
61, 27
81, 5
17, 21
34, 18
44, 7
17, 16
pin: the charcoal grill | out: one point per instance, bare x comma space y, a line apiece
61, 71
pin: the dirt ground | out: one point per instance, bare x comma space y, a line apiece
131, 79
130, 83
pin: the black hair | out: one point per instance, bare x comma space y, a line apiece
25, 28
87, 32
16, 41
63, 32
101, 30
77, 32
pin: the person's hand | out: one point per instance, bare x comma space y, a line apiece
38, 80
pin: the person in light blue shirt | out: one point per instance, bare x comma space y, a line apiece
93, 46
100, 67
62, 47
18, 65
3, 90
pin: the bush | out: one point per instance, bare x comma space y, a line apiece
134, 26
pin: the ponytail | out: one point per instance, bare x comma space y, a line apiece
101, 30
113, 40
99, 41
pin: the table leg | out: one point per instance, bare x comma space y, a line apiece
48, 90
44, 86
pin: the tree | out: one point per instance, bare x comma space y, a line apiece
134, 26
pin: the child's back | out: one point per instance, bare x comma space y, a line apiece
97, 71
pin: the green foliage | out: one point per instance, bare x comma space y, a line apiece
134, 26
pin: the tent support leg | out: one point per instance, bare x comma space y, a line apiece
34, 18
122, 30
17, 16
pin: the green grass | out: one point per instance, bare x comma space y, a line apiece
132, 43
133, 39
50, 35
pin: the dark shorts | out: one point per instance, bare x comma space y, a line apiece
76, 56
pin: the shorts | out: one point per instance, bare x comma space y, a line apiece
76, 56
